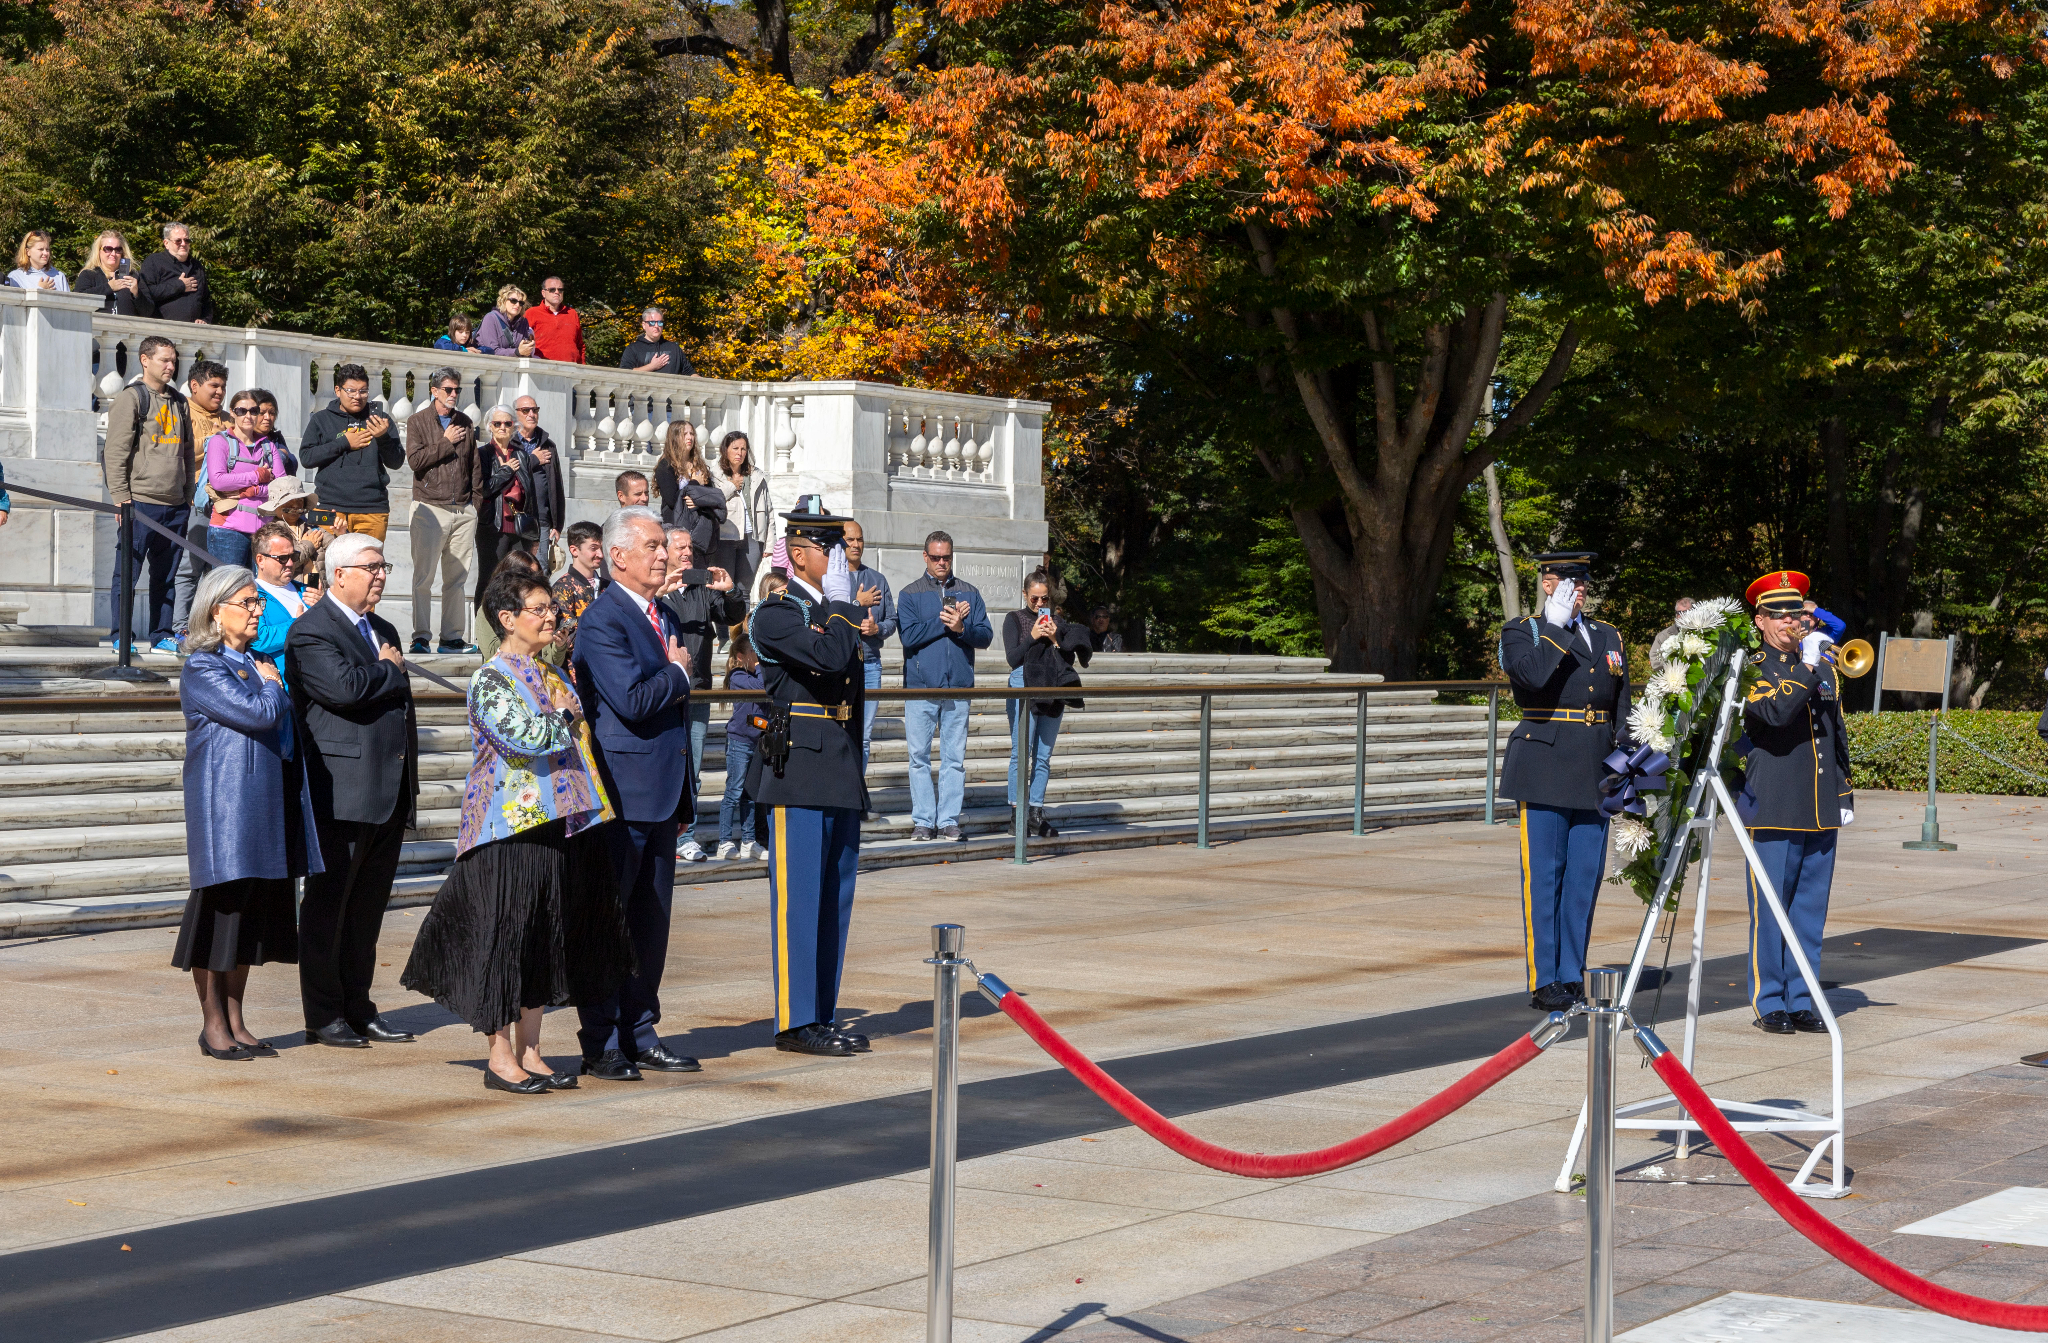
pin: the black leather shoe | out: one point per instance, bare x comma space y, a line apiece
610, 1066
1776, 1023
659, 1060
552, 1081
1808, 1020
1553, 998
814, 1039
339, 1034
234, 1053
1577, 989
384, 1033
262, 1049
1039, 826
854, 1039
532, 1086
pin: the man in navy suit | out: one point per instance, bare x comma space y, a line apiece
634, 677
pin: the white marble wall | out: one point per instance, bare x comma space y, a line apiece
907, 462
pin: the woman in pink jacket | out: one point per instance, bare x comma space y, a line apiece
240, 464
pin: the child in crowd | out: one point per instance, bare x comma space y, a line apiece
736, 824
460, 337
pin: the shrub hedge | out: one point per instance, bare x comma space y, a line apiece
1889, 750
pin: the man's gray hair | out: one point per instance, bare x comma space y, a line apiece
216, 585
618, 527
441, 375
173, 227
346, 549
646, 313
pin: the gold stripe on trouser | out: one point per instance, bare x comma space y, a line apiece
1758, 911
781, 837
1528, 902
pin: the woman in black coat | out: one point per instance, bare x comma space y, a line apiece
688, 498
111, 274
1041, 646
516, 508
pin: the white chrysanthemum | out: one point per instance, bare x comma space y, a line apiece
1652, 803
1644, 719
1632, 838
1670, 681
1691, 645
1707, 615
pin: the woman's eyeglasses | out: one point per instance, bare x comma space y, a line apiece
549, 610
253, 605
240, 411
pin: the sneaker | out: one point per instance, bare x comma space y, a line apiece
165, 646
756, 852
420, 644
951, 834
456, 647
689, 851
920, 834
727, 851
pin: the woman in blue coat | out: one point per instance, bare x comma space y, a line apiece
248, 812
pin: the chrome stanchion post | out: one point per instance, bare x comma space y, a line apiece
1603, 1024
1492, 747
1202, 781
1358, 773
949, 940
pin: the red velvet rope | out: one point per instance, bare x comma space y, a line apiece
1822, 1232
1259, 1165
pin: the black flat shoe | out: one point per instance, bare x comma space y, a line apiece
532, 1086
659, 1060
610, 1066
1775, 1023
339, 1034
552, 1081
1808, 1020
384, 1033
262, 1049
234, 1053
814, 1039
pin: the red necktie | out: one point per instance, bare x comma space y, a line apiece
655, 616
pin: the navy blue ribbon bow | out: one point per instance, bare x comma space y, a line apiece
1631, 772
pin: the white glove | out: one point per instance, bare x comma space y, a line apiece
838, 584
1557, 607
1810, 646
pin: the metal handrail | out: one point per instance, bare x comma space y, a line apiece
1019, 765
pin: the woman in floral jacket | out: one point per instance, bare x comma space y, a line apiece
528, 918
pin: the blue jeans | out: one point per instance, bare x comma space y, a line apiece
228, 545
700, 723
156, 560
1038, 740
734, 811
871, 671
948, 717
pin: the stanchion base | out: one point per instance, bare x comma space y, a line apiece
2035, 1060
120, 673
1929, 845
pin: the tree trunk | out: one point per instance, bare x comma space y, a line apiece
1510, 581
1877, 610
772, 18
1840, 591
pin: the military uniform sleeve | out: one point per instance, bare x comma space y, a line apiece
781, 635
1531, 658
1783, 701
1623, 738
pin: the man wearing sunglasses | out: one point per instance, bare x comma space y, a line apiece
653, 352
440, 447
557, 329
350, 689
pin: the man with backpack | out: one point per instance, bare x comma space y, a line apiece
148, 465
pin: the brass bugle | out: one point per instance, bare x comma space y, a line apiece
1854, 658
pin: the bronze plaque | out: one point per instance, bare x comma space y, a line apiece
1916, 664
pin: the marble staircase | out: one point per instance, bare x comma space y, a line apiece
92, 830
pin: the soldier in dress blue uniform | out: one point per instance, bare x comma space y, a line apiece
1570, 677
808, 639
1795, 796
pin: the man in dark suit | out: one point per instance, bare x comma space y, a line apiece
633, 675
351, 692
1569, 674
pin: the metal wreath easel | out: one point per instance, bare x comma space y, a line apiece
1707, 800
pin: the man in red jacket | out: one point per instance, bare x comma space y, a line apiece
557, 330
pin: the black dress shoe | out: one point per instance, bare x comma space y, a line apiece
552, 1081
532, 1086
1776, 1023
1808, 1020
814, 1039
339, 1034
854, 1039
610, 1066
1553, 998
384, 1033
659, 1060
262, 1049
234, 1053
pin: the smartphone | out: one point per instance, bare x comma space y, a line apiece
320, 517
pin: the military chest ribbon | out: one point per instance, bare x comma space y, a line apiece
1631, 773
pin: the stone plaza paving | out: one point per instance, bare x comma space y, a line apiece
118, 1130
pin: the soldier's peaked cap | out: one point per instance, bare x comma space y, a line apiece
1779, 591
810, 521
1567, 563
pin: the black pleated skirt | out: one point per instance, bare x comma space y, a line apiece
249, 922
529, 921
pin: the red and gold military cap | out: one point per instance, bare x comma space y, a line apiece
1779, 591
